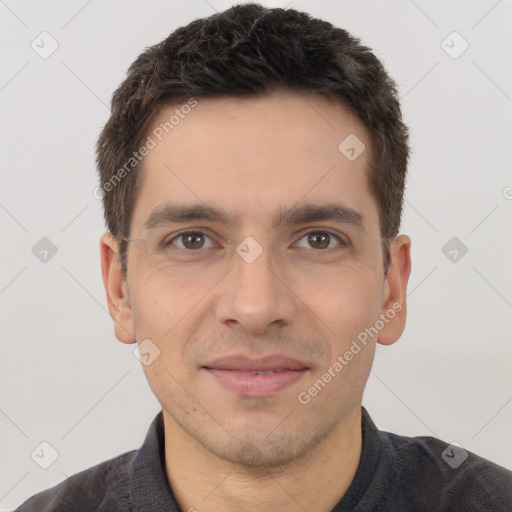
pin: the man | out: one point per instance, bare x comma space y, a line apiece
253, 172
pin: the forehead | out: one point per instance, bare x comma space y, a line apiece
256, 156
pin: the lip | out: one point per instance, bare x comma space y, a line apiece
236, 373
254, 364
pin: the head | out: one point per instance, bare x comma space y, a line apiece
276, 141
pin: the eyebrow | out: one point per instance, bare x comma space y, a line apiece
305, 213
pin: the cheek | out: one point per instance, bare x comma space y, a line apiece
163, 315
167, 310
163, 303
349, 303
152, 308
346, 301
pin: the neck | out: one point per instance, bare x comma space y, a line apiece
203, 482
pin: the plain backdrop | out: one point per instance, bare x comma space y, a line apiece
67, 381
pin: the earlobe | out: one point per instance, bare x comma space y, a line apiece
116, 288
394, 304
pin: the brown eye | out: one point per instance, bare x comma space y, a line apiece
193, 240
189, 240
319, 240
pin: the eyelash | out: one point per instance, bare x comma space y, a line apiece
168, 242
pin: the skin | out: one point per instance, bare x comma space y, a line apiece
253, 157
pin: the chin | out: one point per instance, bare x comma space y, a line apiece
255, 449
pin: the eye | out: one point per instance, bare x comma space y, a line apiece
194, 240
323, 239
190, 240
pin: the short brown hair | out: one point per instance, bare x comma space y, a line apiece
251, 50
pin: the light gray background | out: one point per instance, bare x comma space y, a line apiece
64, 377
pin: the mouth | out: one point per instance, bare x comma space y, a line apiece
256, 377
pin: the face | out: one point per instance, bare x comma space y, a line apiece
255, 268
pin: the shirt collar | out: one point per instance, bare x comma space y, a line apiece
374, 471
150, 489
149, 486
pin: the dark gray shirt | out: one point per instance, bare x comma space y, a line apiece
395, 473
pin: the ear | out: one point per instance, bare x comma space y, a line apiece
116, 288
394, 303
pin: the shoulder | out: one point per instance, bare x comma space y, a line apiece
105, 486
459, 479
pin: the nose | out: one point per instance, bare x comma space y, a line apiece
255, 296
